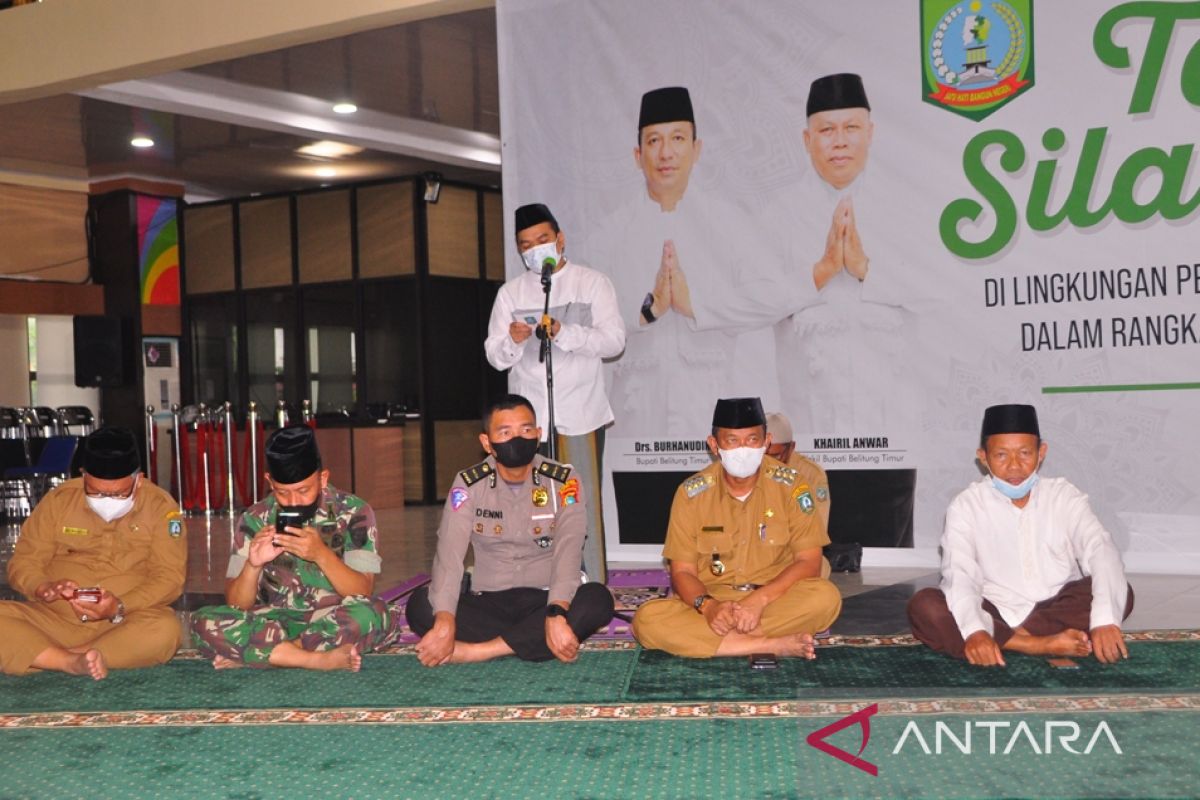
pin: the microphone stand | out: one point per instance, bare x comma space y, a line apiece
546, 355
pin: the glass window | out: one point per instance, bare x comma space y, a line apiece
213, 323
331, 359
390, 320
270, 327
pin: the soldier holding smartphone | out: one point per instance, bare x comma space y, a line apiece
311, 551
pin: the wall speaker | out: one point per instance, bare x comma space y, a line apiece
99, 352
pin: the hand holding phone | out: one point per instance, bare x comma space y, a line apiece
90, 594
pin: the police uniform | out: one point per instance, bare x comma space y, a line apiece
528, 541
736, 547
302, 604
140, 558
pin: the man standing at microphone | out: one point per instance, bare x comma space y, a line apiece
585, 327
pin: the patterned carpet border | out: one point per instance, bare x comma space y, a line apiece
836, 640
634, 712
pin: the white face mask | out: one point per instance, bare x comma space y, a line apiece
534, 257
110, 508
1017, 491
742, 462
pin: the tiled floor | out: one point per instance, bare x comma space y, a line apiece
874, 598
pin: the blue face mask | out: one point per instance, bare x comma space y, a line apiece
1018, 491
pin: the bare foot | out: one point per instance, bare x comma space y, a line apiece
90, 662
221, 662
344, 657
798, 644
1070, 642
472, 652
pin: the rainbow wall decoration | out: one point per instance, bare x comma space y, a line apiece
158, 250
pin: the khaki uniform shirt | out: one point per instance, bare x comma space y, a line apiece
530, 535
811, 474
140, 557
755, 539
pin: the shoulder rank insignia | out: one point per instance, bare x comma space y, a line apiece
476, 473
697, 484
558, 472
784, 475
803, 496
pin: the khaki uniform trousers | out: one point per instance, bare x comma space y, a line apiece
146, 637
808, 606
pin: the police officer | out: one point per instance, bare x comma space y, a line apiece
317, 573
744, 544
108, 530
525, 517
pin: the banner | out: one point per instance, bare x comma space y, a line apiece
1012, 220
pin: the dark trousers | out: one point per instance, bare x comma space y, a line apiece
933, 624
518, 616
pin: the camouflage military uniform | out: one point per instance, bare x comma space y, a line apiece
301, 604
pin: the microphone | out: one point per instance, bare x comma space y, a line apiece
548, 265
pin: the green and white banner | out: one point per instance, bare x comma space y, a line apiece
1014, 220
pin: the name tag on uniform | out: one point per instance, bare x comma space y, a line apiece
75, 531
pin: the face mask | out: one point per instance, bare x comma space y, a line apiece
742, 462
110, 508
534, 257
516, 452
1018, 491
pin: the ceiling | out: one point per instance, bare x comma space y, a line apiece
427, 94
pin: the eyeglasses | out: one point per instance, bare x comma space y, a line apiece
125, 495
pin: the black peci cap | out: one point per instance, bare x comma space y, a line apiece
1009, 418
739, 412
110, 453
844, 90
292, 454
534, 214
669, 104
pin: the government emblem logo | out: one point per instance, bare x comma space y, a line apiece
977, 55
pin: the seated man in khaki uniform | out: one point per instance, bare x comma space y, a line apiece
783, 450
110, 531
525, 517
744, 544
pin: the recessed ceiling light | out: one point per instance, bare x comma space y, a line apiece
345, 108
142, 141
326, 172
328, 149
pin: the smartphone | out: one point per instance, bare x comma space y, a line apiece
1063, 663
290, 518
763, 661
90, 594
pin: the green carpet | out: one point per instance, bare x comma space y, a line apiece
711, 759
601, 677
617, 724
910, 672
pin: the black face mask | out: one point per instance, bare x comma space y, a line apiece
516, 452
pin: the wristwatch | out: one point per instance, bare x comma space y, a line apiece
698, 603
555, 610
648, 304
119, 617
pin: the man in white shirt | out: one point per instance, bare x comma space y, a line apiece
585, 327
1026, 566
692, 284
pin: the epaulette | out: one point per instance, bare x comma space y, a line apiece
476, 473
555, 471
784, 475
698, 483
